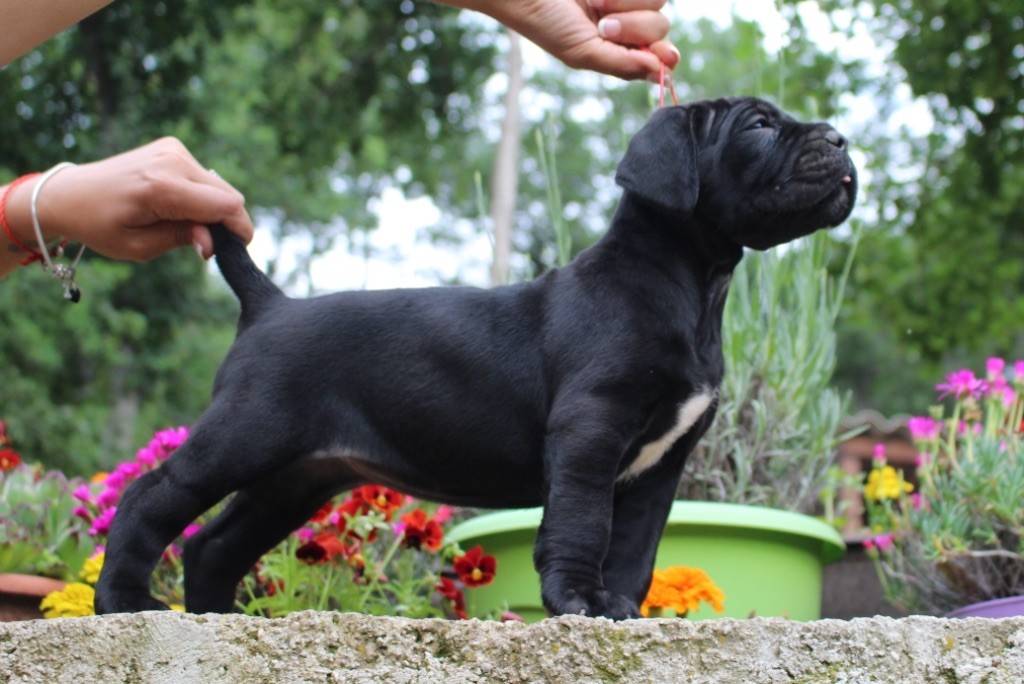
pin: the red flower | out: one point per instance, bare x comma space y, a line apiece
448, 589
322, 514
385, 500
322, 548
352, 507
475, 568
8, 459
421, 531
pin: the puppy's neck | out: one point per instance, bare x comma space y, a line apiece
669, 238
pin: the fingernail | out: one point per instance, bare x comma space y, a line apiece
199, 250
674, 49
609, 28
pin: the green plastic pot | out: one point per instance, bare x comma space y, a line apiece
768, 562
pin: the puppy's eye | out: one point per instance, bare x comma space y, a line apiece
761, 122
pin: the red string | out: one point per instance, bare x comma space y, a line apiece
664, 75
33, 255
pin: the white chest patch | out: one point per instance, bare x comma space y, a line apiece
688, 413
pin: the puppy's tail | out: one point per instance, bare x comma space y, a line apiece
252, 286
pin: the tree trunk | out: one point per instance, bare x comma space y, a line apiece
505, 176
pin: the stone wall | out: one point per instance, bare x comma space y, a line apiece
331, 647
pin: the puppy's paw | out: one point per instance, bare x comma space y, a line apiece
594, 603
107, 602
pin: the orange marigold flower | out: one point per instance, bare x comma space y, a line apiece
475, 568
682, 589
420, 531
8, 459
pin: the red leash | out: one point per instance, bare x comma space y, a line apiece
664, 75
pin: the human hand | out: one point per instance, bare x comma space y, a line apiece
137, 205
601, 35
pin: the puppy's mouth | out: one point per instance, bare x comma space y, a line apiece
824, 204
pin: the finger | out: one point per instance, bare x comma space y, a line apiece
612, 59
666, 52
609, 6
202, 241
633, 28
184, 200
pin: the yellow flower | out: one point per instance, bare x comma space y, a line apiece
177, 607
74, 600
91, 568
681, 589
886, 483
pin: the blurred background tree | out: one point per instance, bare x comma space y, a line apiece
939, 280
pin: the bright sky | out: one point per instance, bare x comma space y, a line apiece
402, 253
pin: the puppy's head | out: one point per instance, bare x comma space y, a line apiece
743, 165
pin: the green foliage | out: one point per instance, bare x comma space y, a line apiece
394, 581
774, 438
39, 535
97, 377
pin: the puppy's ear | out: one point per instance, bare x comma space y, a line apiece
660, 166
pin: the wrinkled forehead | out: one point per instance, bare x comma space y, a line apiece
712, 118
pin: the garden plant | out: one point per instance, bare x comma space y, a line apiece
955, 537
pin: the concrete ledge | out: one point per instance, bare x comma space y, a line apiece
331, 647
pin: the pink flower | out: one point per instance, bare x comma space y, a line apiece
916, 501
168, 440
884, 542
82, 493
998, 387
960, 384
922, 459
101, 525
115, 480
83, 513
146, 455
869, 544
879, 454
107, 498
443, 514
964, 427
994, 366
305, 534
923, 428
129, 470
1018, 370
189, 531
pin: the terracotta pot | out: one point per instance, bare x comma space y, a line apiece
20, 595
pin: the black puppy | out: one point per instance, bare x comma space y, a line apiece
584, 390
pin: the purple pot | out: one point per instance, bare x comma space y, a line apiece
996, 608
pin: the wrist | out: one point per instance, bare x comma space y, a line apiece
16, 215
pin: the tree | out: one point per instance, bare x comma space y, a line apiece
940, 277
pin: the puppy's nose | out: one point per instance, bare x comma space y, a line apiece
836, 138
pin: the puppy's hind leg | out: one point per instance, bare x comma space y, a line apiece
156, 508
256, 520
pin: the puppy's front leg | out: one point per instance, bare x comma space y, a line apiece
581, 459
641, 510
